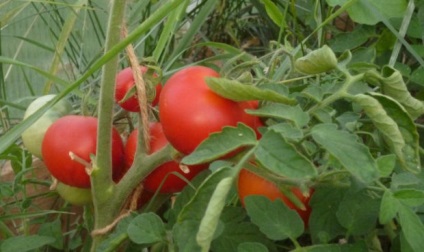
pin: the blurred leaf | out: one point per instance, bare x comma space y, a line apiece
386, 164
402, 179
274, 218
355, 247
412, 228
323, 223
53, 229
25, 243
235, 234
318, 61
281, 157
364, 11
234, 90
417, 76
389, 208
350, 40
410, 197
294, 114
199, 19
344, 146
147, 228
221, 143
274, 13
251, 247
63, 40
356, 218
168, 29
410, 157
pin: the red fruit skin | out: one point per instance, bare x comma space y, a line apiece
162, 178
250, 120
190, 111
124, 82
77, 134
251, 184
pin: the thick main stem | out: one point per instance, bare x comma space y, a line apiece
101, 176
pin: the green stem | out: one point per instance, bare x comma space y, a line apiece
342, 92
142, 166
101, 177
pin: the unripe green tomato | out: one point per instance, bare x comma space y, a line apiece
74, 195
33, 136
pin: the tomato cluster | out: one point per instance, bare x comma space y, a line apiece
189, 111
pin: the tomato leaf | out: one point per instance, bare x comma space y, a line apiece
190, 217
389, 207
317, 61
386, 164
147, 228
274, 13
408, 155
209, 222
360, 11
344, 146
221, 143
293, 114
236, 91
235, 234
352, 214
412, 228
251, 247
25, 243
288, 131
274, 218
351, 247
391, 82
323, 223
281, 157
410, 197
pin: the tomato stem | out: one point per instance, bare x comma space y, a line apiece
101, 181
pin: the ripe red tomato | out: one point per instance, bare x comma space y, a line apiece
77, 134
166, 171
190, 111
251, 184
124, 83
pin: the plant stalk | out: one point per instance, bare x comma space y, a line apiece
101, 177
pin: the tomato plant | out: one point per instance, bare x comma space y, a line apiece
78, 135
125, 85
164, 178
250, 183
33, 136
190, 111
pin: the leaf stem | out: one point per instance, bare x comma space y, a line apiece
342, 92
